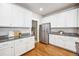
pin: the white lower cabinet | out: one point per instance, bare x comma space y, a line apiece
51, 39
7, 48
70, 43
31, 44
20, 46
59, 41
63, 41
17, 47
56, 40
24, 45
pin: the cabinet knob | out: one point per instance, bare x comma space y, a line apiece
11, 47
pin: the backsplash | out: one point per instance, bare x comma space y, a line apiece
4, 31
67, 30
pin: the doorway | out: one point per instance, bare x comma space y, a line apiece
34, 28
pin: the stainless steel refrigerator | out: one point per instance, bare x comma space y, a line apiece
44, 31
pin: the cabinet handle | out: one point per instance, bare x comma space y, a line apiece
11, 47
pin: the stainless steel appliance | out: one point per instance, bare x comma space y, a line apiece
44, 32
77, 48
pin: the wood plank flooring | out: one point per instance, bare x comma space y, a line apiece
48, 50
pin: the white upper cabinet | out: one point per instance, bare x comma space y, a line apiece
78, 18
70, 18
21, 17
17, 15
28, 18
57, 20
45, 20
56, 40
5, 15
62, 19
12, 15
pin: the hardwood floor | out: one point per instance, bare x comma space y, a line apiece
48, 50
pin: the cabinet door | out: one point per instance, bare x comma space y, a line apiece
78, 18
12, 44
70, 43
28, 18
31, 43
24, 45
46, 20
56, 40
56, 20
51, 39
6, 49
71, 18
5, 15
61, 21
17, 16
11, 15
59, 40
19, 47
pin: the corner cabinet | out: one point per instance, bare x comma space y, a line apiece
28, 18
24, 45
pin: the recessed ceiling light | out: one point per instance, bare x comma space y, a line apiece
41, 9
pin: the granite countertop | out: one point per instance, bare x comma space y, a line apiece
5, 39
66, 34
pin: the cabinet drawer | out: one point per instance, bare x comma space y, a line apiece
4, 45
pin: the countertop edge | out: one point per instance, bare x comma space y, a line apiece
65, 35
7, 40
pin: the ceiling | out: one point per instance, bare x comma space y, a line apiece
48, 8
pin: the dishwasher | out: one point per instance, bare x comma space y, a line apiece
77, 48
